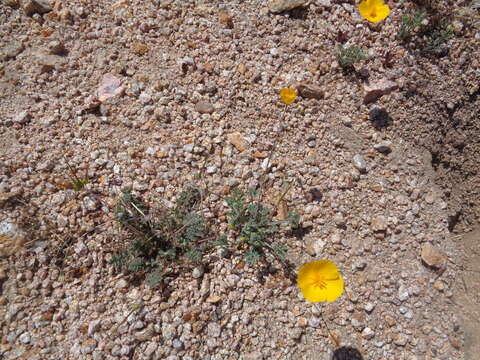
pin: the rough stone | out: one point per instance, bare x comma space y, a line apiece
314, 322
214, 329
403, 293
358, 321
177, 344
11, 50
433, 257
55, 47
37, 7
22, 117
214, 299
12, 238
400, 339
24, 338
204, 108
379, 223
368, 333
47, 62
109, 87
374, 91
237, 140
359, 163
122, 284
146, 334
279, 6
309, 91
93, 327
198, 272
379, 117
383, 147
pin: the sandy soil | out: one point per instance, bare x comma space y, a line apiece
151, 96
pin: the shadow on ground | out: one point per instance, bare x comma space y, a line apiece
347, 353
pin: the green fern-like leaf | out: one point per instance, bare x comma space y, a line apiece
252, 257
137, 264
280, 251
154, 278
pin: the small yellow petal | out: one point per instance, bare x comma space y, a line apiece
335, 289
288, 95
312, 294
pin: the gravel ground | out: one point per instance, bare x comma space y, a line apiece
196, 99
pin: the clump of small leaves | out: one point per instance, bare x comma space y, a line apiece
349, 55
255, 228
437, 36
79, 184
409, 24
159, 236
428, 36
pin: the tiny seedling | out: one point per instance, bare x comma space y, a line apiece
409, 24
76, 183
349, 55
254, 228
429, 37
437, 37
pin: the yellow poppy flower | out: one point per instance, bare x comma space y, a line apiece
288, 95
320, 281
373, 10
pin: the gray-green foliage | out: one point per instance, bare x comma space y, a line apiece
158, 237
430, 37
437, 37
409, 23
254, 227
349, 55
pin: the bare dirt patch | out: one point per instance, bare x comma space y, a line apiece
467, 292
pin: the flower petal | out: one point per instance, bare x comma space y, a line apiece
383, 12
314, 294
373, 10
288, 95
364, 8
325, 271
334, 289
328, 268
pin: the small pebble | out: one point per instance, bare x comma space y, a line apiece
383, 147
314, 322
24, 338
204, 108
198, 272
359, 163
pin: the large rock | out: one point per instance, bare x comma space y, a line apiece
110, 86
11, 50
204, 108
237, 140
374, 91
37, 7
433, 257
279, 6
309, 91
